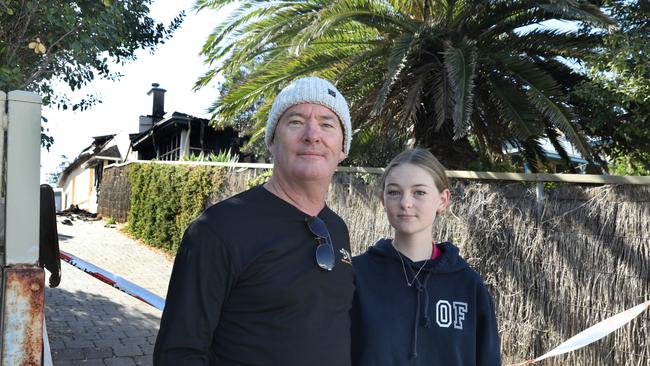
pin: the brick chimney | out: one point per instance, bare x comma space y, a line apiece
158, 111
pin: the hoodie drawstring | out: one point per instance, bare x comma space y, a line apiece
414, 351
427, 318
421, 288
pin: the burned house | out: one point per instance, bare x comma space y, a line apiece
178, 135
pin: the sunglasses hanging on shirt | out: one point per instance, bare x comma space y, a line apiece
325, 250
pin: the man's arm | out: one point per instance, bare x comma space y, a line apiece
199, 283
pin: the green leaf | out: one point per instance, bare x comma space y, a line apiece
460, 63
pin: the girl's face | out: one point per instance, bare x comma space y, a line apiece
412, 200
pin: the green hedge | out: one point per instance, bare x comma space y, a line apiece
166, 198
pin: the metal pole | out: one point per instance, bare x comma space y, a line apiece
539, 196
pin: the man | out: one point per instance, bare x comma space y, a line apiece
264, 277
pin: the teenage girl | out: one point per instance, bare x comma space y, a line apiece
418, 302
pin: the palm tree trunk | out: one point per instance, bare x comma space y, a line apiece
453, 154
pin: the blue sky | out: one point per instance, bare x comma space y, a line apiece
175, 65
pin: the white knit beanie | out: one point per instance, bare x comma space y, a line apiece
310, 90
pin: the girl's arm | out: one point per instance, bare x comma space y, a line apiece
488, 344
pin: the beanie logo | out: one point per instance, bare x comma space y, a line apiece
331, 92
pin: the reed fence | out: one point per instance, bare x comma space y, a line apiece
554, 265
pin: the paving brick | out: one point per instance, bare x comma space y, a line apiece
137, 332
128, 350
104, 322
119, 361
67, 354
147, 349
112, 334
144, 360
56, 344
57, 324
98, 352
135, 340
90, 335
62, 318
78, 343
93, 362
113, 342
112, 310
84, 322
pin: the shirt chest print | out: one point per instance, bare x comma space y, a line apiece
450, 313
346, 258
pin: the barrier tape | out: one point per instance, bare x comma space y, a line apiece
593, 333
116, 281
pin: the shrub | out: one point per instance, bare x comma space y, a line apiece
260, 179
166, 198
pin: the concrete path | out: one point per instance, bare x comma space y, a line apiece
92, 323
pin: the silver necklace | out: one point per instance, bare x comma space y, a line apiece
404, 268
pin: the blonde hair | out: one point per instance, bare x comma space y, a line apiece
421, 158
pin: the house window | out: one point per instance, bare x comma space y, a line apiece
171, 149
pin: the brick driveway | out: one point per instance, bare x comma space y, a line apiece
92, 323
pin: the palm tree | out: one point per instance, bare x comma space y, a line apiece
462, 78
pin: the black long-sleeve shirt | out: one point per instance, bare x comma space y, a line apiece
246, 290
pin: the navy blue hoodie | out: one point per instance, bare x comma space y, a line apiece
445, 318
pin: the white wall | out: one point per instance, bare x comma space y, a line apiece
79, 190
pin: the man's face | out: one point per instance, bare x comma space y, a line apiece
307, 143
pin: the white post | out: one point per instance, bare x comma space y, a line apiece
184, 148
3, 175
23, 282
23, 167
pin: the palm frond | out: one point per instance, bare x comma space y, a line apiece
579, 10
397, 59
442, 94
514, 107
533, 153
375, 15
545, 94
559, 116
460, 63
553, 136
413, 102
548, 43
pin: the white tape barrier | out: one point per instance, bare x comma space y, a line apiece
115, 281
593, 333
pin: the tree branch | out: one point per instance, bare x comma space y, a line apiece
20, 39
46, 59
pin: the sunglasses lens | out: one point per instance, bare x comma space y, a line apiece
318, 227
325, 256
325, 251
